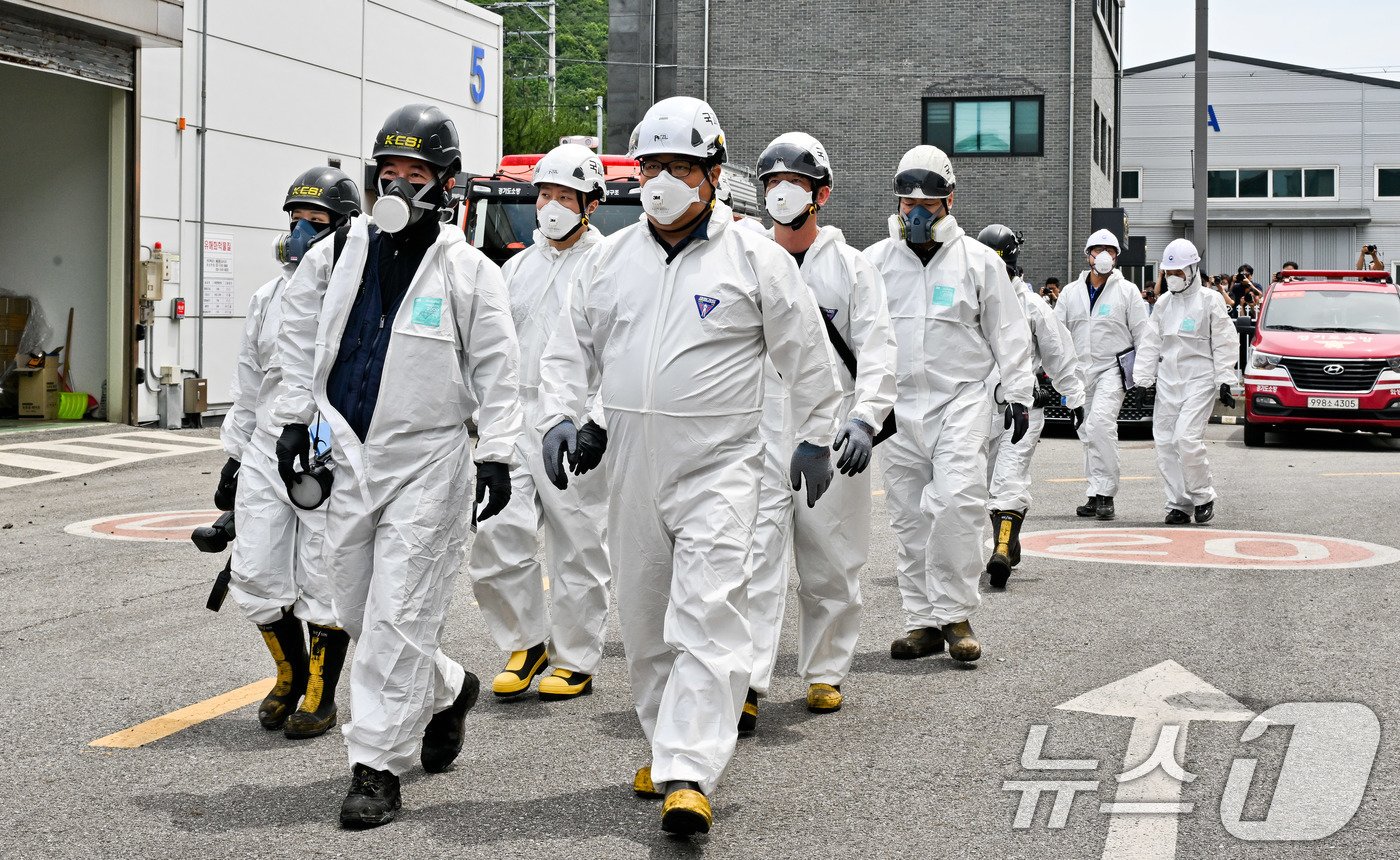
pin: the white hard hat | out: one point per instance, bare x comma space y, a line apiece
1180, 254
796, 152
680, 125
1105, 238
924, 173
573, 166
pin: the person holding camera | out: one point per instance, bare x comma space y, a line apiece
1243, 290
275, 575
1376, 264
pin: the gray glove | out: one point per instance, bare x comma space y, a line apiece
858, 439
814, 463
562, 438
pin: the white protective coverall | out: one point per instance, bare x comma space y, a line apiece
1052, 351
277, 554
955, 320
397, 517
678, 350
1190, 347
1115, 323
832, 540
506, 578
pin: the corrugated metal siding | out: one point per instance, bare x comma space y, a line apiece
41, 46
1268, 118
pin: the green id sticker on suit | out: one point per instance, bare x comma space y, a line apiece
427, 311
943, 297
1105, 310
1188, 325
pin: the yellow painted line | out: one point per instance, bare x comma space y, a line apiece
161, 727
1361, 474
1082, 480
878, 493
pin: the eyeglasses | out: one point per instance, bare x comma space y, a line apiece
679, 169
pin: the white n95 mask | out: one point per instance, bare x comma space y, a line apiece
557, 221
1176, 283
786, 202
666, 198
1103, 262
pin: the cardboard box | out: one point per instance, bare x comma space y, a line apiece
38, 391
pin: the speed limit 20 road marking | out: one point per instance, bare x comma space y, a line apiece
1197, 547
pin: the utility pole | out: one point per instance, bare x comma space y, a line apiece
1198, 117
598, 106
547, 47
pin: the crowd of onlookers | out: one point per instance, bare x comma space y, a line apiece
1241, 293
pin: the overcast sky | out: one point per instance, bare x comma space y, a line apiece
1357, 36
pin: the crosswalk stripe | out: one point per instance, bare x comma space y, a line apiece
52, 459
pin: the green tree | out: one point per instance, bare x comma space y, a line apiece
581, 47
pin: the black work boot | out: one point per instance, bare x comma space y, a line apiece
1177, 518
917, 643
1089, 508
962, 646
1016, 538
999, 566
373, 798
1205, 513
748, 717
285, 642
317, 712
1105, 509
442, 740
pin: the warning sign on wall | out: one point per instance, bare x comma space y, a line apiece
218, 275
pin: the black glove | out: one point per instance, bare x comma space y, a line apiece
228, 486
1018, 415
814, 463
561, 439
496, 478
1076, 417
857, 438
294, 443
592, 441
1226, 399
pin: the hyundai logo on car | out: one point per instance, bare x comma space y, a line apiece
1333, 369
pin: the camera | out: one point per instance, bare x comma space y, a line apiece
1368, 249
217, 537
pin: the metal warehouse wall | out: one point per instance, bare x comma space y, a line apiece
1268, 117
290, 85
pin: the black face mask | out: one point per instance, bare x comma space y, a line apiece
402, 204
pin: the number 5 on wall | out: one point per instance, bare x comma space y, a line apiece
478, 76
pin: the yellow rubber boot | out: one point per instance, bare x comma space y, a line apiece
565, 684
686, 811
520, 671
962, 645
824, 698
317, 713
748, 717
642, 784
287, 645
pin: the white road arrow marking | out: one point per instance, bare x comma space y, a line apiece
1162, 701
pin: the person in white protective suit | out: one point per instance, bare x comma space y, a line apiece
507, 580
831, 541
1106, 316
394, 341
1189, 349
276, 574
1052, 354
670, 322
956, 321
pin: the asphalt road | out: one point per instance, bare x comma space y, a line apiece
100, 635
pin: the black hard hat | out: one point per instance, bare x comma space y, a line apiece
420, 131
326, 188
999, 238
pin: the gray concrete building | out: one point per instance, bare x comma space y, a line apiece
1030, 123
1303, 163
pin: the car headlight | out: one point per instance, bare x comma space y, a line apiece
1393, 363
1265, 361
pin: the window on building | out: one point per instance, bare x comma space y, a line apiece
1388, 181
1220, 183
1096, 133
1130, 185
1009, 126
1281, 182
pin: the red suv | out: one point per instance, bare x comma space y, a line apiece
1325, 354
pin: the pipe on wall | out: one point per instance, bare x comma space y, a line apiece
1069, 196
